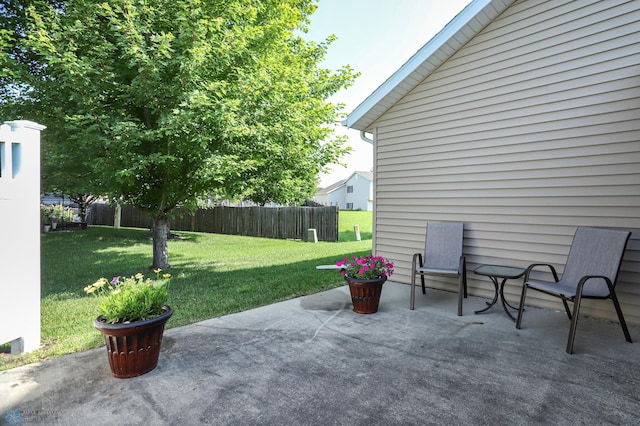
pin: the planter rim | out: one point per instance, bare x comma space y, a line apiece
163, 317
359, 280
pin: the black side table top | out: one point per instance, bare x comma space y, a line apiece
499, 271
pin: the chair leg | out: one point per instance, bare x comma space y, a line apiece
461, 292
464, 277
465, 287
424, 288
412, 304
521, 307
623, 324
574, 321
566, 308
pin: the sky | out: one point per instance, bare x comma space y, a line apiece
374, 37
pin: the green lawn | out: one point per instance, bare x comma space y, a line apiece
212, 275
347, 219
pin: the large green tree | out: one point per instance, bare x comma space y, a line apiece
160, 102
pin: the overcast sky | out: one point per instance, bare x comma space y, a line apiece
375, 37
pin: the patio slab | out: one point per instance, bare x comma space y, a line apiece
313, 361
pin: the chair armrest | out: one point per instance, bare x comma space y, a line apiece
416, 262
531, 267
586, 278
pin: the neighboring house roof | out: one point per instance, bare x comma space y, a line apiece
332, 187
466, 25
366, 175
339, 184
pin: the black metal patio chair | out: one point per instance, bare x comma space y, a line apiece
442, 257
590, 272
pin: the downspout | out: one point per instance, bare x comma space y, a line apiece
364, 137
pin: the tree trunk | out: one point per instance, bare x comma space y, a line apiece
160, 231
83, 201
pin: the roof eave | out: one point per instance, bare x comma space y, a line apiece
454, 35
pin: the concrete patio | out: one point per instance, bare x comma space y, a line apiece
313, 361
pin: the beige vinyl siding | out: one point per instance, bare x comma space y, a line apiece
525, 133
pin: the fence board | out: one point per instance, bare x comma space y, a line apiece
266, 222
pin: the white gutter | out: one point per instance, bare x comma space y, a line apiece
365, 138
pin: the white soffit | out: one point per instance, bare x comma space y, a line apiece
462, 28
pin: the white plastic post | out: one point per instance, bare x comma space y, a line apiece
20, 230
312, 235
117, 216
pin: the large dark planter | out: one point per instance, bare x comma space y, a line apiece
133, 349
365, 294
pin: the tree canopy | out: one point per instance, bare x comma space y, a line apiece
161, 102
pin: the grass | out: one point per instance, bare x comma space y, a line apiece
347, 219
212, 275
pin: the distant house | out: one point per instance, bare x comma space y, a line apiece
52, 199
521, 118
354, 193
331, 195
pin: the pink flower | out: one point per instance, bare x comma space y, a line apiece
366, 267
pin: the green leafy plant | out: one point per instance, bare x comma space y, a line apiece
130, 299
366, 268
62, 214
45, 214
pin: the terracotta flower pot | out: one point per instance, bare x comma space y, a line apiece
133, 349
365, 294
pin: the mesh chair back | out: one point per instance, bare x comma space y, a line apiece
443, 245
595, 252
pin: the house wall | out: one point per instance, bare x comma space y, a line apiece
361, 195
336, 197
525, 133
322, 198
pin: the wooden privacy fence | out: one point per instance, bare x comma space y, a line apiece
267, 222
